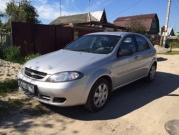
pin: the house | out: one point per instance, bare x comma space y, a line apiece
86, 19
150, 21
96, 19
176, 33
170, 32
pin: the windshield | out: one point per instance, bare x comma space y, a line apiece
102, 44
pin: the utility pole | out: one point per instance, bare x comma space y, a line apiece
166, 24
60, 8
89, 15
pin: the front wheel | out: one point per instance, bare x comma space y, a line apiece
98, 95
151, 75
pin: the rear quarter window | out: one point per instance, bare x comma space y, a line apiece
141, 43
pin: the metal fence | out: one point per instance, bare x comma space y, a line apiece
5, 38
38, 38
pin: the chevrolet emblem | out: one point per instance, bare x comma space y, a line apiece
32, 73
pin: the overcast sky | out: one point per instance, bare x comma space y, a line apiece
49, 10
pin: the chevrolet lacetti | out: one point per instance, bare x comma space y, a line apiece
86, 71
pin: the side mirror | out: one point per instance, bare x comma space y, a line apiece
124, 52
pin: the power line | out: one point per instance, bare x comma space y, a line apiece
176, 5
126, 9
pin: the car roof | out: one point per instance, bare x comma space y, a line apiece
111, 33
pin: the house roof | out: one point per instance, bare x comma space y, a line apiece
170, 32
80, 18
176, 33
144, 19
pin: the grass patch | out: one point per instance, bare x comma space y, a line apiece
8, 86
12, 54
171, 53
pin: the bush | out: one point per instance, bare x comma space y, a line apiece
31, 56
13, 54
173, 42
2, 52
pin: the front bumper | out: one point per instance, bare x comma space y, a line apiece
58, 94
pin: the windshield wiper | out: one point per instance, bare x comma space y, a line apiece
82, 50
68, 49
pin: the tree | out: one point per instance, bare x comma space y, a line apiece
136, 26
24, 12
2, 15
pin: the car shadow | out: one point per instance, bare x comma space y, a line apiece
126, 99
161, 59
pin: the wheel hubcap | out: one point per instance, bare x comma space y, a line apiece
152, 72
101, 95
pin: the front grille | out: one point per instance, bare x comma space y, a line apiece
34, 74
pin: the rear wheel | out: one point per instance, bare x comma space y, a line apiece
98, 95
151, 74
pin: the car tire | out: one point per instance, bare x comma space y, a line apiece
98, 96
151, 74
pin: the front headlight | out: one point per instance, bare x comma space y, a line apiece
65, 76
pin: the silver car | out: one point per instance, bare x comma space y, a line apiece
87, 70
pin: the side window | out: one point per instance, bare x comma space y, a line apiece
142, 43
128, 43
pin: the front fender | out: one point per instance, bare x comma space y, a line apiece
92, 79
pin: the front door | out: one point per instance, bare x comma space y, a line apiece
126, 68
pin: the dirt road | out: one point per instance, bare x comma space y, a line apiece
138, 109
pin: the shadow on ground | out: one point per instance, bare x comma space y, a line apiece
122, 102
161, 59
126, 99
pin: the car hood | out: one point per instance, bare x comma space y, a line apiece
63, 60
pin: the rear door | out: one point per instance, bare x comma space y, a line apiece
144, 54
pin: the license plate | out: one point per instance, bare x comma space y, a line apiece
26, 86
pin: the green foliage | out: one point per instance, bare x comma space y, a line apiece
7, 86
2, 52
12, 53
2, 15
175, 44
23, 12
136, 26
31, 56
171, 53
